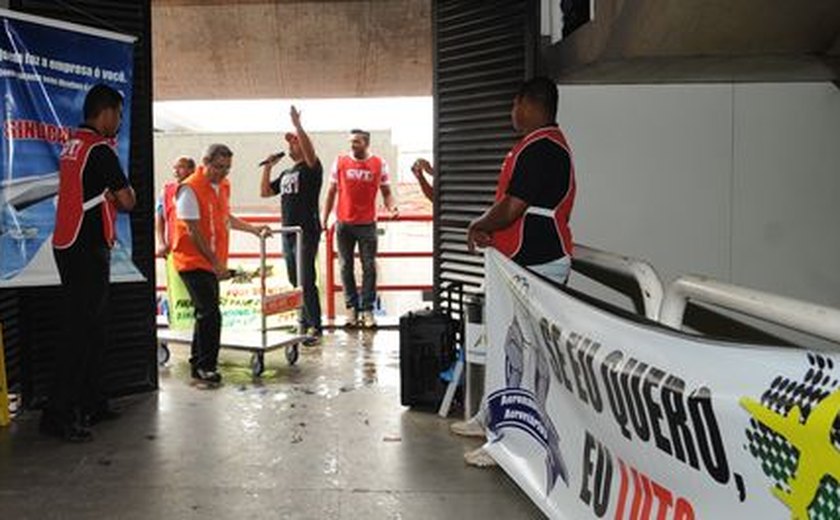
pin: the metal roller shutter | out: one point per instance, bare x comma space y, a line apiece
483, 51
35, 333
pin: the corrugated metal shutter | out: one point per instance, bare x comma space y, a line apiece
131, 360
483, 51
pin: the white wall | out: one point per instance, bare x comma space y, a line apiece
738, 182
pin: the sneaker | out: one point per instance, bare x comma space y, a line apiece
101, 413
367, 320
313, 337
70, 432
470, 428
207, 376
352, 318
479, 458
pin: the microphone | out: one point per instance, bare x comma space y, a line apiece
273, 157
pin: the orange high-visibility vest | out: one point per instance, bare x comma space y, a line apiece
71, 207
213, 224
170, 189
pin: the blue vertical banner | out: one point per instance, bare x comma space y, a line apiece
46, 68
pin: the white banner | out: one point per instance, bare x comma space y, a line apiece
598, 416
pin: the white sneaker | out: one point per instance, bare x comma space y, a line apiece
479, 458
470, 428
367, 320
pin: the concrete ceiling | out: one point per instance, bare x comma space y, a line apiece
647, 41
249, 49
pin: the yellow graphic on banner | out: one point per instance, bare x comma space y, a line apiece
818, 457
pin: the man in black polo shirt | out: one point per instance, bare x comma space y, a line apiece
92, 187
299, 188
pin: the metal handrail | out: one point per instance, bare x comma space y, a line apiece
810, 318
276, 231
332, 288
643, 273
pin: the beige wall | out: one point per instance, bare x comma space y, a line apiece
291, 49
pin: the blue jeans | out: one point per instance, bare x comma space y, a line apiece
311, 315
556, 270
347, 236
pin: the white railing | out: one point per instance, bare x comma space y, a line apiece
642, 272
798, 315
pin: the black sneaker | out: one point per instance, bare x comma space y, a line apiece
70, 432
313, 337
100, 414
207, 376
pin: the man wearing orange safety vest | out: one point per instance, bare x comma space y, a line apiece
200, 252
165, 209
92, 187
529, 221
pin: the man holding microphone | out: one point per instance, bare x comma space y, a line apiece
299, 188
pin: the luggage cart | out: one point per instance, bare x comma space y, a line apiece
264, 340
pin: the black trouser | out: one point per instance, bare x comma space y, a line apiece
347, 236
203, 287
77, 376
311, 316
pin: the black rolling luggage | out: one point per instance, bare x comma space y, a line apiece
427, 347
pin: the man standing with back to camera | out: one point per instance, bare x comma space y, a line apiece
92, 187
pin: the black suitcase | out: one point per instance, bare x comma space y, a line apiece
427, 347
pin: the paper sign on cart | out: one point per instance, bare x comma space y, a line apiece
283, 302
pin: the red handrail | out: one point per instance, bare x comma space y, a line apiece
332, 288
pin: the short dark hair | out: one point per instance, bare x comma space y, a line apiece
217, 150
189, 161
365, 134
541, 91
101, 97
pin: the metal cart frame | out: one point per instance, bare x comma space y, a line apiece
264, 340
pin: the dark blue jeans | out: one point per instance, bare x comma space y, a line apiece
347, 236
311, 315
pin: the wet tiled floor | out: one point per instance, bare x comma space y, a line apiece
325, 439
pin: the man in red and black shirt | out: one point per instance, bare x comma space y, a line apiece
355, 180
165, 209
529, 222
92, 187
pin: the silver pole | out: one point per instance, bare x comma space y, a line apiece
263, 319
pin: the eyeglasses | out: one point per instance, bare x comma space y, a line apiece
220, 167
